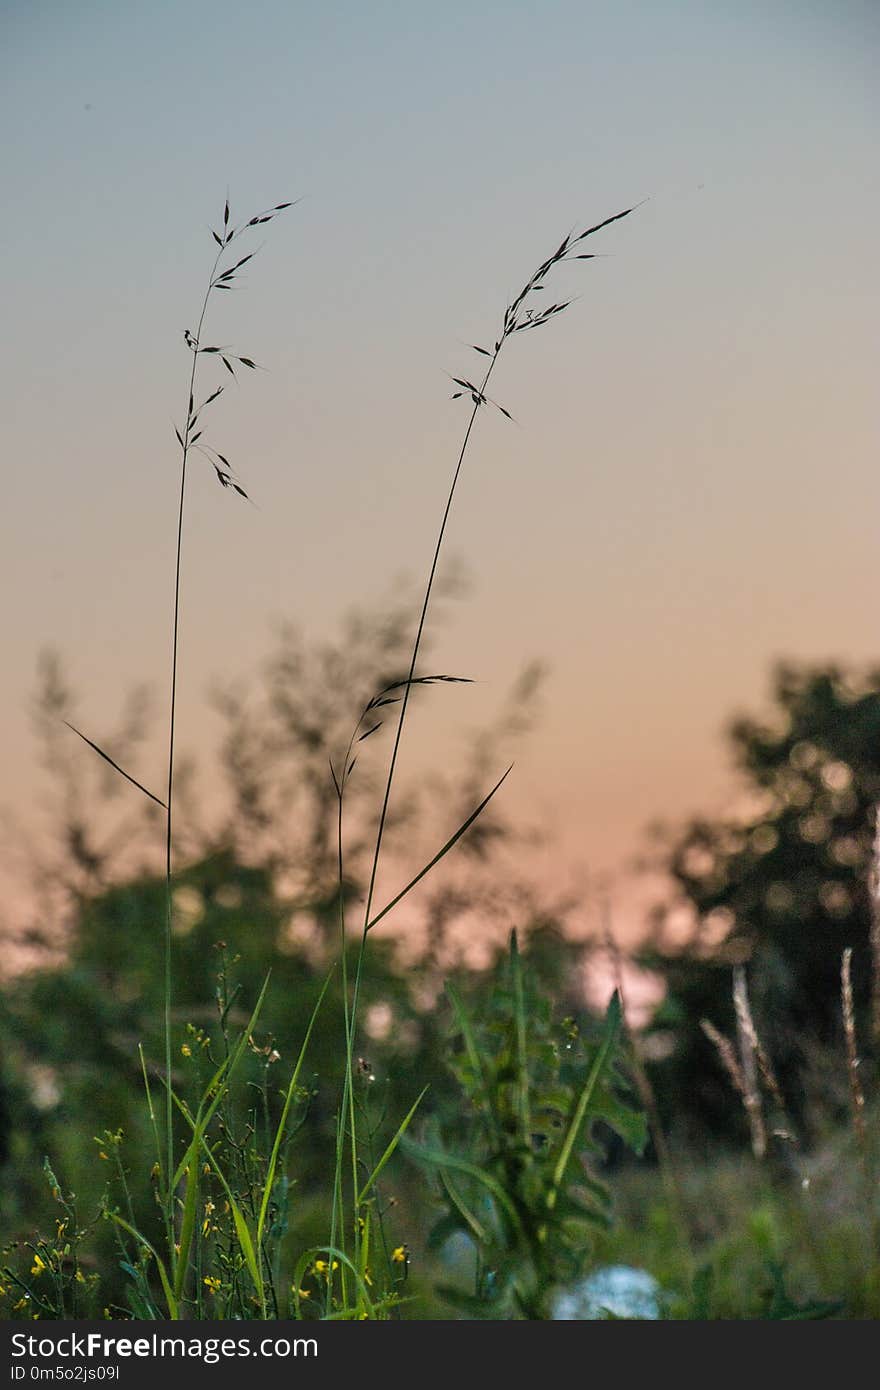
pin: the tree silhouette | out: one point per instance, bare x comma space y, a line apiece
782, 889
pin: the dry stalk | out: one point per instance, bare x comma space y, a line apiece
747, 1091
857, 1095
747, 1037
874, 890
751, 1045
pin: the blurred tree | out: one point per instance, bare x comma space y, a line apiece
72, 1033
256, 891
282, 733
782, 888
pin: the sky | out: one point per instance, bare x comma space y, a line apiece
688, 491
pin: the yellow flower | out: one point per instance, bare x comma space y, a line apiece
212, 1283
321, 1267
38, 1266
400, 1255
186, 1050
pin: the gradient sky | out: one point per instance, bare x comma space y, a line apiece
690, 490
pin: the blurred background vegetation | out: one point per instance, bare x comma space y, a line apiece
730, 1223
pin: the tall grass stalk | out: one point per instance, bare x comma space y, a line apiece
218, 280
367, 1162
521, 315
189, 439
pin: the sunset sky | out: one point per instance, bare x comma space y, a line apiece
690, 488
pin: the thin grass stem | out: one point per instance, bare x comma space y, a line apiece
172, 724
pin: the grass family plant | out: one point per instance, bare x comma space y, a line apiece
221, 1183
526, 312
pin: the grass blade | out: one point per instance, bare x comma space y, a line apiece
279, 1134
522, 1066
450, 843
121, 770
438, 1159
462, 1018
189, 1164
224, 1074
241, 1227
478, 1230
173, 1306
333, 1253
392, 1146
190, 1207
609, 1039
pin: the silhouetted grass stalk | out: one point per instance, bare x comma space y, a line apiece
172, 724
217, 280
198, 1156
518, 317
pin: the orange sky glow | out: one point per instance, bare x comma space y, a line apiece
688, 490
